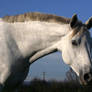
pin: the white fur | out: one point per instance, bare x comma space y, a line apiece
22, 43
36, 35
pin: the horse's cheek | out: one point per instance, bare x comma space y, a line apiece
66, 58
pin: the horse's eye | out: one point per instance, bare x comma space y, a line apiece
74, 42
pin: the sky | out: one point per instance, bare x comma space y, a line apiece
52, 64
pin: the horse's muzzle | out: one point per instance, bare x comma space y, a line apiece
86, 78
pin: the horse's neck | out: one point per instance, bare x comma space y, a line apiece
34, 36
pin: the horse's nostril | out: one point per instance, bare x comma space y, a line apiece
86, 76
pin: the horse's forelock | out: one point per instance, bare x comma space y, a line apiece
79, 29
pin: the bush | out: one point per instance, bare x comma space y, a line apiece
38, 85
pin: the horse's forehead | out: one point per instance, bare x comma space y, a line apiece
79, 31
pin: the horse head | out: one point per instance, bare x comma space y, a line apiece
76, 49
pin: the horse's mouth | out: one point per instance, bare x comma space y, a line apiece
82, 82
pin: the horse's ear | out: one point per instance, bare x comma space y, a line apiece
73, 21
89, 23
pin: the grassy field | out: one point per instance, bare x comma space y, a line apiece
38, 85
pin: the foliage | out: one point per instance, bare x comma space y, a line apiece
70, 84
38, 85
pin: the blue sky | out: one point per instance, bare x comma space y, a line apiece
52, 64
